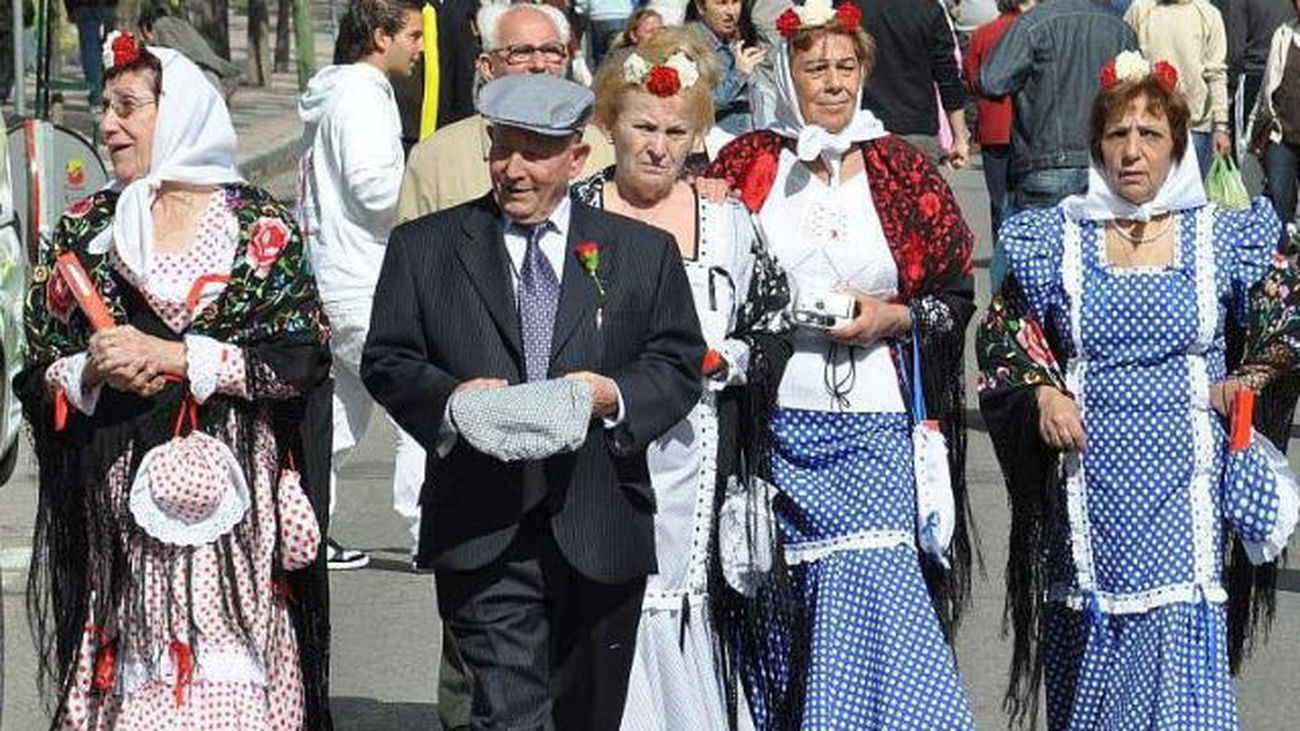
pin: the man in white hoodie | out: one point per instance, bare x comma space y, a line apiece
350, 174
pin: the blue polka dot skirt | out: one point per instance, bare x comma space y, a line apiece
1163, 670
878, 659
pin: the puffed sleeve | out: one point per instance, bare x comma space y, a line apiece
1250, 238
1033, 242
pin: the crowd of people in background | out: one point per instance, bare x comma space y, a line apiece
668, 308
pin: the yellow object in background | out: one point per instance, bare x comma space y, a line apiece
429, 109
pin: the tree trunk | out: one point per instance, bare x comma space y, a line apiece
283, 24
259, 45
212, 19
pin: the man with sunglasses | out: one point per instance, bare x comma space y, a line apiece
450, 167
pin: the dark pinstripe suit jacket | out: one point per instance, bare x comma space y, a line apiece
444, 313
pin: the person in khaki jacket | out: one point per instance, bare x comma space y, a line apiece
1189, 34
450, 167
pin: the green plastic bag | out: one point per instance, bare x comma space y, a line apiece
1223, 184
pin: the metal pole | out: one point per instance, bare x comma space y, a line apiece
304, 42
20, 61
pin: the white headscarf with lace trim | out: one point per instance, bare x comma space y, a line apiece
813, 140
1181, 190
193, 142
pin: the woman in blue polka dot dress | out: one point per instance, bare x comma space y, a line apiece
847, 207
1105, 377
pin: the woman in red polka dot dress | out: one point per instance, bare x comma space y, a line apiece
176, 583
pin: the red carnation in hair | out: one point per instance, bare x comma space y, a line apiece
788, 23
1166, 75
849, 15
125, 49
663, 81
1108, 76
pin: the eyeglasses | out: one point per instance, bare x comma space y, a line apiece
126, 106
523, 53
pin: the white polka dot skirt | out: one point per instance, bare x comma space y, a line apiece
878, 659
1161, 670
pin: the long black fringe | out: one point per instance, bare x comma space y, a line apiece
82, 541
764, 637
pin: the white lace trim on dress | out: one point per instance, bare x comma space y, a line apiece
1139, 601
1205, 447
1076, 496
807, 551
227, 665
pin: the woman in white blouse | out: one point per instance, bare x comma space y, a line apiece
878, 260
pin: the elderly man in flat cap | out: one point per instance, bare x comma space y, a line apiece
540, 555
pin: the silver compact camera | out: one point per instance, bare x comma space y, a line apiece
824, 310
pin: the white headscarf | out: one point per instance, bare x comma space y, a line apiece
193, 142
813, 140
1181, 190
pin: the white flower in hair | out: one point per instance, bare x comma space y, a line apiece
106, 54
686, 69
1130, 66
816, 12
635, 68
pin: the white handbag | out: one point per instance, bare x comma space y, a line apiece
746, 537
935, 508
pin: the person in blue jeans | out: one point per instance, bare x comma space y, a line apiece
606, 19
94, 18
1049, 61
1275, 123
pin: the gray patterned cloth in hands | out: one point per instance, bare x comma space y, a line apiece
529, 421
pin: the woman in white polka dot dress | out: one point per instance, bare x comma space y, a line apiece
175, 582
654, 100
846, 207
1105, 380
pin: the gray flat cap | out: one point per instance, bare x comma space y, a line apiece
539, 103
529, 421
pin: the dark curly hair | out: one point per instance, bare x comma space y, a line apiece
357, 27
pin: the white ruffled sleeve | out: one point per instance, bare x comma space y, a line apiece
214, 367
64, 374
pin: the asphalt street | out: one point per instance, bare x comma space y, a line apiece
386, 632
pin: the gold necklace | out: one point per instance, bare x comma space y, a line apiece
1139, 240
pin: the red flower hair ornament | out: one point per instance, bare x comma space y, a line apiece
817, 13
1130, 66
121, 48
677, 72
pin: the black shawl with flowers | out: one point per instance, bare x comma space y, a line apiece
932, 248
270, 308
1016, 355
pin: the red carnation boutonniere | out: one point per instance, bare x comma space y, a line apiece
713, 363
588, 253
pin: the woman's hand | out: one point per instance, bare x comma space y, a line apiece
713, 190
747, 57
1059, 421
1223, 393
129, 360
876, 319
